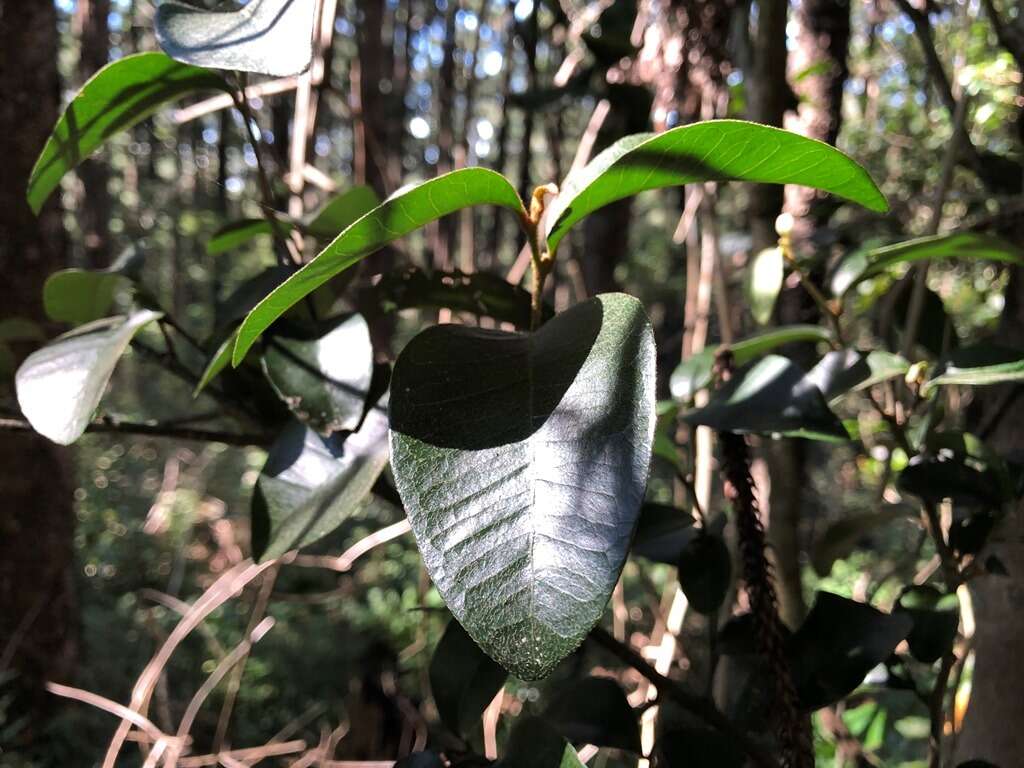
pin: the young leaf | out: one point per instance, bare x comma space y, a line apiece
325, 381
979, 365
861, 265
595, 711
117, 97
463, 679
773, 396
694, 373
60, 385
717, 150
839, 642
522, 461
705, 572
269, 37
535, 744
309, 486
404, 212
763, 281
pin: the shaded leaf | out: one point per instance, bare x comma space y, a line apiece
270, 37
535, 744
81, 295
480, 293
848, 370
698, 748
662, 533
842, 537
595, 711
310, 485
979, 365
463, 679
705, 572
936, 618
522, 461
717, 150
60, 386
861, 265
839, 642
324, 381
762, 283
237, 233
772, 396
117, 97
404, 212
942, 476
694, 373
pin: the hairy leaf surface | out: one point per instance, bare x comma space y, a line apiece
522, 461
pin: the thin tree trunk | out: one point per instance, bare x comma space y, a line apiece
37, 607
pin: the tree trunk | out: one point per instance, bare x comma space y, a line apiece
94, 207
36, 603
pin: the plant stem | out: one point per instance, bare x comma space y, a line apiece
111, 425
541, 260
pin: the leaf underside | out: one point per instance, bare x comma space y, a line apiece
522, 462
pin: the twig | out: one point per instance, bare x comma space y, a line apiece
112, 425
112, 707
248, 754
226, 101
344, 562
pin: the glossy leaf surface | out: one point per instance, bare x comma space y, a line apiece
325, 381
60, 385
717, 150
979, 366
522, 461
762, 283
848, 370
311, 485
404, 212
114, 99
269, 37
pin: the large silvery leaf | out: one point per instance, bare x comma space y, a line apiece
405, 211
270, 37
324, 381
717, 150
60, 385
311, 485
522, 461
115, 98
772, 396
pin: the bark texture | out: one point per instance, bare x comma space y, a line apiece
36, 599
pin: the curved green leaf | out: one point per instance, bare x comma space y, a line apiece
237, 233
717, 150
81, 296
325, 381
979, 365
773, 396
404, 212
694, 373
762, 283
463, 679
117, 97
311, 485
522, 461
861, 265
60, 385
270, 37
217, 363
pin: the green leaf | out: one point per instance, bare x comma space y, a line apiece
979, 365
705, 572
325, 381
839, 642
217, 363
841, 537
404, 212
848, 370
80, 296
310, 485
698, 748
773, 396
117, 97
479, 293
936, 618
762, 283
463, 679
522, 461
595, 711
535, 744
861, 265
237, 233
269, 37
717, 150
60, 385
694, 373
